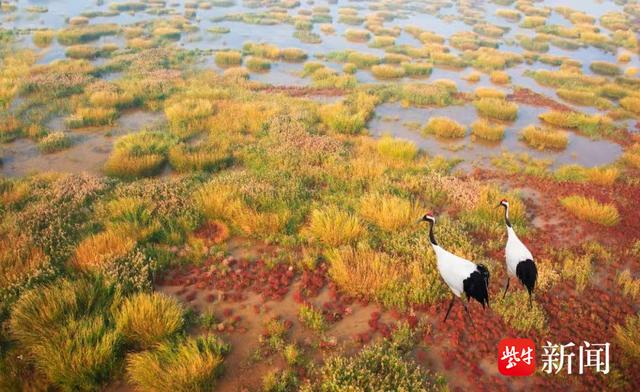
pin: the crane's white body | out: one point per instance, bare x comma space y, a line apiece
515, 252
453, 269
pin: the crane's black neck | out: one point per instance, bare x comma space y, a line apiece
506, 215
432, 238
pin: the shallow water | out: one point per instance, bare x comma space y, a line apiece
89, 152
580, 150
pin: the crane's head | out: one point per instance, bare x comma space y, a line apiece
503, 203
428, 217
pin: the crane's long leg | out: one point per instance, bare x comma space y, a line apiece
453, 298
506, 287
529, 300
467, 310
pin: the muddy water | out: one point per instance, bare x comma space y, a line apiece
89, 152
401, 122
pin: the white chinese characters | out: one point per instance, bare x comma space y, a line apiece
556, 357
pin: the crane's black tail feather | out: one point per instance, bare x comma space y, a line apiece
477, 285
527, 272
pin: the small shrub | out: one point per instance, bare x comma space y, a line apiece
378, 367
190, 364
146, 319
312, 318
485, 130
444, 127
545, 138
508, 308
99, 249
496, 108
591, 210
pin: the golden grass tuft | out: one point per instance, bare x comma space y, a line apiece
189, 364
400, 149
99, 249
257, 64
472, 77
228, 58
357, 35
385, 71
146, 319
496, 108
121, 164
43, 38
545, 138
334, 227
631, 103
499, 77
91, 117
486, 130
591, 210
184, 158
362, 272
388, 212
630, 287
488, 92
632, 156
189, 116
111, 99
628, 336
444, 127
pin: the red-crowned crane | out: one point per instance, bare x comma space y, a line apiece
461, 275
519, 259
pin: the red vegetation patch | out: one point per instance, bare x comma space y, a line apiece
296, 91
529, 97
212, 232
